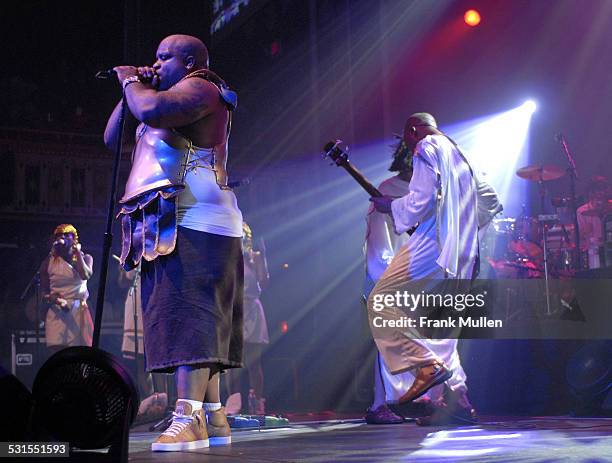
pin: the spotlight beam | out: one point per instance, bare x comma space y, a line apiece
498, 146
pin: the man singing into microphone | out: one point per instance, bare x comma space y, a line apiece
63, 280
181, 220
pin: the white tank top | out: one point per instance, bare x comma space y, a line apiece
204, 205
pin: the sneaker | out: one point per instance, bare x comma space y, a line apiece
187, 431
218, 428
382, 415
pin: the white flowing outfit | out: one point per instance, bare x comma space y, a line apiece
448, 203
382, 244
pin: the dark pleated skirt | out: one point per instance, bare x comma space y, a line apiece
192, 303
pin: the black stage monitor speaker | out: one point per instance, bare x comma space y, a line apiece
85, 397
16, 405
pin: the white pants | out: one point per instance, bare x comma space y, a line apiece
403, 349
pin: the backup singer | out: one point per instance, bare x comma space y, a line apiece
63, 280
256, 336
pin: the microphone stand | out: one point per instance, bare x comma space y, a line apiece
35, 281
132, 290
544, 226
108, 236
573, 174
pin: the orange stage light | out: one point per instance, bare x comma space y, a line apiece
472, 18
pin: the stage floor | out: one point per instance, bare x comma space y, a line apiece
537, 439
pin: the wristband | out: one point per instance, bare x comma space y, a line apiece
130, 80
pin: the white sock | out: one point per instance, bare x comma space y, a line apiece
212, 406
195, 404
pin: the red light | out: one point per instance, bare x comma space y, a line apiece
472, 18
284, 327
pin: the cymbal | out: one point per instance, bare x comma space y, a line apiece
543, 172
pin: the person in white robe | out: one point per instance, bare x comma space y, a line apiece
448, 205
382, 244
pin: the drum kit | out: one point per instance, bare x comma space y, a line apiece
543, 245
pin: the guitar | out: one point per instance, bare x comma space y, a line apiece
333, 151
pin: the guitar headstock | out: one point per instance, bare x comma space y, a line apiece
333, 151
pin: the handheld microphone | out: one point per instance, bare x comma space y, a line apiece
105, 74
59, 242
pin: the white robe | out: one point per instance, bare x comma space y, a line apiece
443, 200
382, 244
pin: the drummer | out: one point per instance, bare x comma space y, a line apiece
591, 213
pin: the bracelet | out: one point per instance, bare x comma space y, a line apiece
130, 80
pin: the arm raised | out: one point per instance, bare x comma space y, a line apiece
185, 103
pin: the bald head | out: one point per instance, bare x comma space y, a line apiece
191, 49
177, 56
417, 127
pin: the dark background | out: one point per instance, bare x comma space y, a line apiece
307, 72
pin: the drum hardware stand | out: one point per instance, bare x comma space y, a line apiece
573, 174
543, 220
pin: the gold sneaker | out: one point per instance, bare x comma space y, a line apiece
218, 428
187, 431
